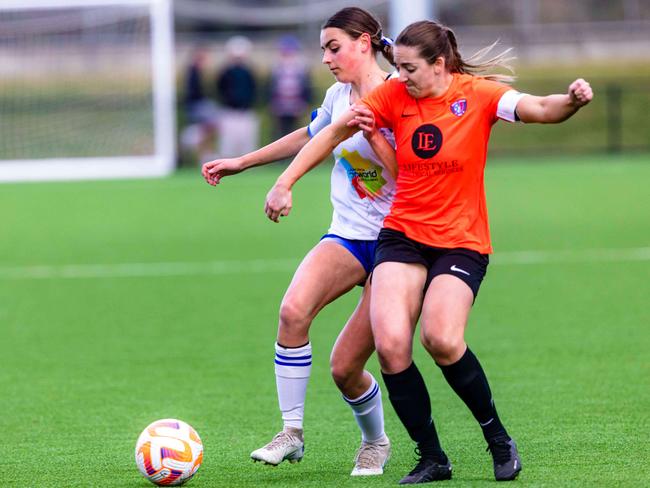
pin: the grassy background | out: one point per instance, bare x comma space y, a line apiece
614, 123
88, 362
44, 118
590, 130
76, 117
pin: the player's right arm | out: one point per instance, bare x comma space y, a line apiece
285, 147
278, 200
365, 120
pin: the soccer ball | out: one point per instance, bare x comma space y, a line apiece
168, 452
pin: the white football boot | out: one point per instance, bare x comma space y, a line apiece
286, 445
371, 458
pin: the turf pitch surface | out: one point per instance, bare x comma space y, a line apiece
122, 302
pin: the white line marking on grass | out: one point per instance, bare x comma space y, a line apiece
136, 270
287, 265
571, 256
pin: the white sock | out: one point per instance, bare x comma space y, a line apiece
369, 413
292, 370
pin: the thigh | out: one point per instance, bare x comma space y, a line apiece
465, 264
326, 273
445, 311
396, 299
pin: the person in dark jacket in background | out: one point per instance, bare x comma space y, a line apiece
198, 136
237, 92
289, 87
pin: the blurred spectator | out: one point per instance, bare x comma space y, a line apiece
199, 135
237, 90
289, 87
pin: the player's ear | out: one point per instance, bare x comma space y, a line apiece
440, 64
365, 42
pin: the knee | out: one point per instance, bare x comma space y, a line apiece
343, 374
294, 318
444, 348
394, 354
346, 370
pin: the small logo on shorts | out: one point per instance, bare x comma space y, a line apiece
458, 107
458, 270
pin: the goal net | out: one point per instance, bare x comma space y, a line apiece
86, 89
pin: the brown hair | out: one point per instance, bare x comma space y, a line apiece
356, 21
434, 40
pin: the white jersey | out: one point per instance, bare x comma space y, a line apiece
357, 215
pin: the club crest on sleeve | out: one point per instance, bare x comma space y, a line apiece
459, 107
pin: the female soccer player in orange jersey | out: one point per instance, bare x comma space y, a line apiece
433, 249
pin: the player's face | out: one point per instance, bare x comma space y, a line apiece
414, 71
341, 53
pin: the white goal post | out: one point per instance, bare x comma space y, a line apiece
87, 89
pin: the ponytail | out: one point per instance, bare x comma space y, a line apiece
434, 40
386, 49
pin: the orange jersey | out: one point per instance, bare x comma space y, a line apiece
441, 151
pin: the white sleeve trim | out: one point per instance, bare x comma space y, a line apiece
321, 120
506, 109
323, 116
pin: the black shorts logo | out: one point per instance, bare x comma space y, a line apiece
426, 141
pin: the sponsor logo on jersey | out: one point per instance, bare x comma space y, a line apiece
432, 168
366, 178
426, 141
459, 107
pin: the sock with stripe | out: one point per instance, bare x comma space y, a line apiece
369, 413
292, 370
467, 378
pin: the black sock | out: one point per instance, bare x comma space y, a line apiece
467, 379
410, 399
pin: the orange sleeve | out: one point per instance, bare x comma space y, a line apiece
379, 101
489, 93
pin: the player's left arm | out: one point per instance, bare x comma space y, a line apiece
552, 109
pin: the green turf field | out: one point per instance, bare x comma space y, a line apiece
122, 302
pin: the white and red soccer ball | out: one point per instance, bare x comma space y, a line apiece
168, 452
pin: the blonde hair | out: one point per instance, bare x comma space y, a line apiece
434, 40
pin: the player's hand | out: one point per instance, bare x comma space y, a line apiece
580, 92
364, 120
278, 202
214, 171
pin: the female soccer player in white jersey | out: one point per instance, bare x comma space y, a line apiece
363, 182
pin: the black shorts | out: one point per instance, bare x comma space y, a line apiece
470, 266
